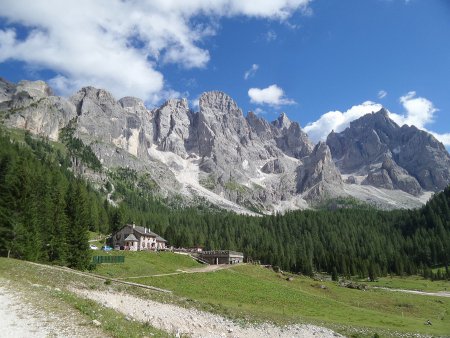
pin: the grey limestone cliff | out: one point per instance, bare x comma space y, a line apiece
391, 156
222, 155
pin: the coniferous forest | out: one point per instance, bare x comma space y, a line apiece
46, 212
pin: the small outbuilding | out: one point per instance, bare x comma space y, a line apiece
222, 257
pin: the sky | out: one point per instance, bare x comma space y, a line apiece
324, 63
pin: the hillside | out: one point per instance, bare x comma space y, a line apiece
242, 301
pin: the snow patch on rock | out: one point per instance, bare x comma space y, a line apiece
187, 173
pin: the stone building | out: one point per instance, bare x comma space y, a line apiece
135, 238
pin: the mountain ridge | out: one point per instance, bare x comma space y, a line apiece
241, 162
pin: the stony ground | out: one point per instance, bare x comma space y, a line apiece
191, 322
19, 318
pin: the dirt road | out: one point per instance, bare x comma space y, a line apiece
417, 292
194, 323
20, 319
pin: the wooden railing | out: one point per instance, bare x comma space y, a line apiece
108, 259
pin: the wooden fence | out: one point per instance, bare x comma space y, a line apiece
108, 259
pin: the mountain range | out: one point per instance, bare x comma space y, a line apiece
237, 162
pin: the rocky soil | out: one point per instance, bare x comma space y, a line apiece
194, 323
20, 318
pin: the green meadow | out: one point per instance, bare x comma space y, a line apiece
251, 293
258, 294
144, 263
254, 293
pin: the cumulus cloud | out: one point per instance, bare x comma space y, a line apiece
251, 72
382, 94
118, 45
338, 121
259, 111
272, 96
419, 112
444, 138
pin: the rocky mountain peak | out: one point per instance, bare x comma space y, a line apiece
96, 94
172, 126
35, 89
260, 126
282, 122
246, 160
176, 104
393, 157
7, 90
218, 102
378, 120
131, 102
318, 175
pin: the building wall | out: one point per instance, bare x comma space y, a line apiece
160, 245
146, 242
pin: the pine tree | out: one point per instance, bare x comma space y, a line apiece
77, 231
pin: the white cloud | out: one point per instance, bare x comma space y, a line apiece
118, 45
259, 111
338, 121
382, 94
444, 138
419, 112
251, 72
272, 95
195, 103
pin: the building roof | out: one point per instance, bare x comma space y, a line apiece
132, 238
143, 231
222, 252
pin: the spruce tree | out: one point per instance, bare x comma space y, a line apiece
77, 231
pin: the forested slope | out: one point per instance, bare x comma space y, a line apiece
45, 211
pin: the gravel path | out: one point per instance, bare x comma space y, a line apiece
417, 292
202, 269
20, 319
181, 321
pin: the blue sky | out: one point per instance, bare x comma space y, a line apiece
322, 62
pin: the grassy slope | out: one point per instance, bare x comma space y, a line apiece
250, 293
256, 293
144, 263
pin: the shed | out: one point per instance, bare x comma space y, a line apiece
222, 257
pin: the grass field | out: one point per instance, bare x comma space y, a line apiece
256, 293
144, 263
412, 283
